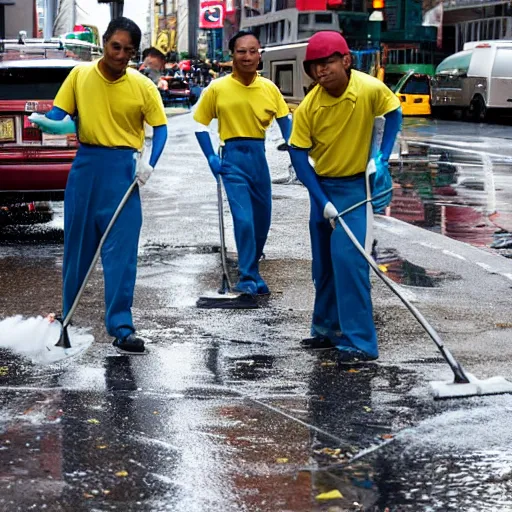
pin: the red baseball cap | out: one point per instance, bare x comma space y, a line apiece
324, 44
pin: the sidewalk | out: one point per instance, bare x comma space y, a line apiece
226, 413
176, 111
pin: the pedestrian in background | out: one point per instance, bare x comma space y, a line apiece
245, 105
112, 103
333, 125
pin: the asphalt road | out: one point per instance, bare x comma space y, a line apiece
226, 413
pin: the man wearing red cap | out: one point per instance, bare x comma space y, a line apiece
333, 125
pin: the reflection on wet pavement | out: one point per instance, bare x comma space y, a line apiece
407, 273
459, 192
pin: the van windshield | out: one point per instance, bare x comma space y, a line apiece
455, 64
502, 63
31, 83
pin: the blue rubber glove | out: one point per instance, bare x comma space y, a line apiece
309, 178
57, 114
391, 128
159, 141
381, 183
62, 126
145, 167
205, 142
285, 125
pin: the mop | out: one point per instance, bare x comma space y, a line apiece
225, 298
64, 341
464, 384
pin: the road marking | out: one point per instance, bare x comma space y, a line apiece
484, 266
453, 254
428, 244
508, 276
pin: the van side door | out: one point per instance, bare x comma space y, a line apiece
500, 87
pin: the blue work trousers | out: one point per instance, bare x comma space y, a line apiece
98, 180
246, 179
343, 306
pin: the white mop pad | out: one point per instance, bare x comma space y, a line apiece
35, 338
475, 387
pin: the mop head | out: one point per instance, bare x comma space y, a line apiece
475, 387
35, 338
227, 301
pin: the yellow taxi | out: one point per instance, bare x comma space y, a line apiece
413, 91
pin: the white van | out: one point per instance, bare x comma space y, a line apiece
476, 80
284, 66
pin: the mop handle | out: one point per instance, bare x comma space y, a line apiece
222, 231
357, 205
460, 375
127, 195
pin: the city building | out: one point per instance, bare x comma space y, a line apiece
476, 20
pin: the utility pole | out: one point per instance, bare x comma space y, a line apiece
116, 7
50, 13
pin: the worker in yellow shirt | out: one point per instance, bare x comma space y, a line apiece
111, 102
245, 105
333, 125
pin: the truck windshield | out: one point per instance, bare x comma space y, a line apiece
503, 63
34, 83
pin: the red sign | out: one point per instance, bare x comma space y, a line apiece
211, 14
311, 5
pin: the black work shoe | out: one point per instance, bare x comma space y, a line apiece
317, 343
130, 345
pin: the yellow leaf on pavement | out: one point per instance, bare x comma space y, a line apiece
93, 421
122, 473
331, 495
282, 460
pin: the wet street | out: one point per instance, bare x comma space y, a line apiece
226, 413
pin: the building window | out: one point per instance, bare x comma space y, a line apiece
324, 18
284, 78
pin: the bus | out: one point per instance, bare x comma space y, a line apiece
289, 26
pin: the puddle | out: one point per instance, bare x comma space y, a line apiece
155, 250
252, 367
406, 273
455, 193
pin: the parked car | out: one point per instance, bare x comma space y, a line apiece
34, 166
476, 81
413, 91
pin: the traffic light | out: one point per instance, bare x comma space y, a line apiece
378, 4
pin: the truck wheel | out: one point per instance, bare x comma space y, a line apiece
478, 109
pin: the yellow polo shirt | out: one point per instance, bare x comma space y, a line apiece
242, 110
111, 113
339, 130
